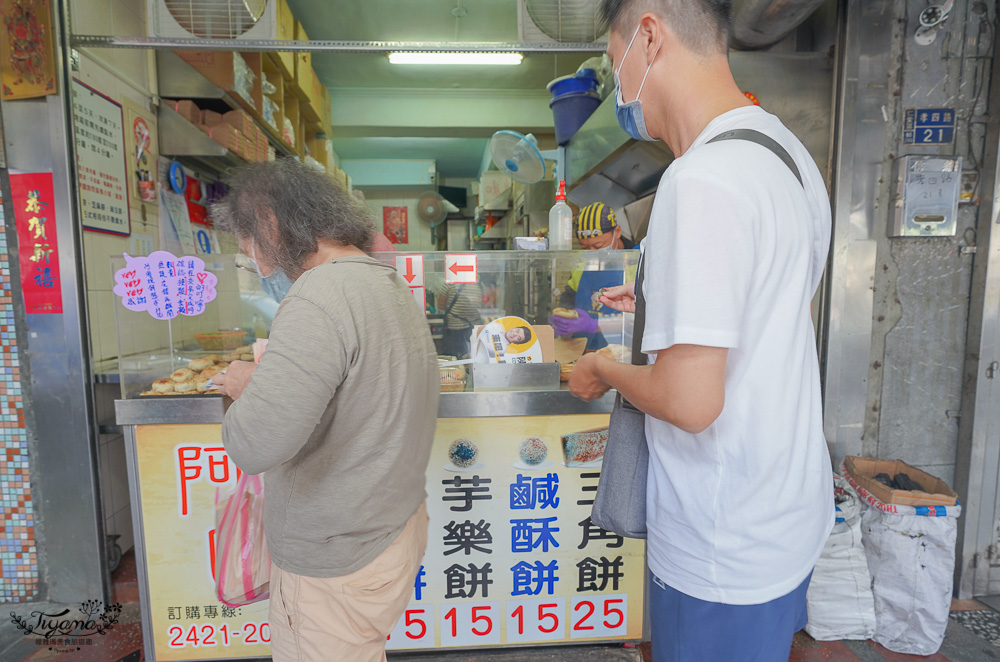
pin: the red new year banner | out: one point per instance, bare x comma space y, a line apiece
38, 251
394, 225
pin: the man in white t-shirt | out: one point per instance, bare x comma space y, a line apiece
740, 494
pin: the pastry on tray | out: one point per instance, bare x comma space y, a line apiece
194, 379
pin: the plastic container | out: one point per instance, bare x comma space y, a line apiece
570, 111
561, 222
576, 83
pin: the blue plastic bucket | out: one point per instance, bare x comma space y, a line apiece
570, 111
571, 84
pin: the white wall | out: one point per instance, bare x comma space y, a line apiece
419, 231
122, 75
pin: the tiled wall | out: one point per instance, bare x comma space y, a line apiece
18, 553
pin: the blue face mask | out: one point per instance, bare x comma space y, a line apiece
630, 116
276, 284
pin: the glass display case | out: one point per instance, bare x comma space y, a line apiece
465, 297
150, 350
507, 430
485, 297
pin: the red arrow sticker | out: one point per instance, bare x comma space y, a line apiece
461, 268
411, 269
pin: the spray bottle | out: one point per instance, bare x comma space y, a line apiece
561, 222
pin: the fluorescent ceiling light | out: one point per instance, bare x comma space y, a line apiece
456, 58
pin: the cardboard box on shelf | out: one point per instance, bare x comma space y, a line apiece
241, 121
227, 69
286, 32
224, 134
935, 491
211, 118
245, 148
189, 110
303, 59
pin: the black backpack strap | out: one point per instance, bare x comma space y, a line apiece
451, 305
454, 299
639, 322
764, 141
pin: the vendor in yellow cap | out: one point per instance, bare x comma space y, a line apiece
596, 229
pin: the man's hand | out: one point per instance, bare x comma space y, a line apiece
584, 381
236, 379
584, 323
620, 297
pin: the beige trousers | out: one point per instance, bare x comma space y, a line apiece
346, 618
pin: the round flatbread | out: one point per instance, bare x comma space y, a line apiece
163, 385
182, 375
201, 364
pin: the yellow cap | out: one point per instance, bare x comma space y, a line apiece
594, 220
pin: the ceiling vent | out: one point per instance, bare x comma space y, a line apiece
212, 19
559, 21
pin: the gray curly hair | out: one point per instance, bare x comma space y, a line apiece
307, 204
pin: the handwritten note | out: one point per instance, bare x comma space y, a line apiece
164, 285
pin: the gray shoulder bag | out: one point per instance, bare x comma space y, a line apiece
620, 503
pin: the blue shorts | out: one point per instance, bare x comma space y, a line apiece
686, 629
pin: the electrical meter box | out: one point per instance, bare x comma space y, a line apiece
927, 192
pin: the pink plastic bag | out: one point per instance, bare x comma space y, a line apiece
242, 563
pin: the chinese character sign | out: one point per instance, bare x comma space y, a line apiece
38, 249
165, 286
180, 467
101, 161
929, 126
512, 554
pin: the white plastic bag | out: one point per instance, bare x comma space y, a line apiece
840, 601
242, 563
911, 557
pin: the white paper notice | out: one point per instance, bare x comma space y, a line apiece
100, 155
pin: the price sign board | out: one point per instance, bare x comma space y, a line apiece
512, 556
179, 468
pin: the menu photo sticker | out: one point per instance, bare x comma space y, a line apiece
508, 340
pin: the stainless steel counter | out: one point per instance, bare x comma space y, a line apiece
210, 409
